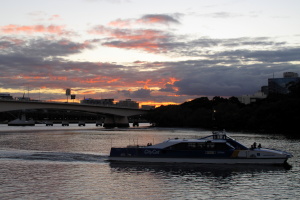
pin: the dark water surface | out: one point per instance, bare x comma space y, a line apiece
70, 163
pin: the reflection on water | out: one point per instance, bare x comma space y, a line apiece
52, 156
199, 181
188, 181
71, 163
219, 170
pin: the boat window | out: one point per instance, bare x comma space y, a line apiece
192, 145
180, 146
199, 146
236, 145
210, 146
222, 146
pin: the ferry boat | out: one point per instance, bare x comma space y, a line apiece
217, 148
21, 121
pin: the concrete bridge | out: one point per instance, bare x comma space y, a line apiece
114, 116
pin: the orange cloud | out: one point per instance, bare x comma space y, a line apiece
63, 78
113, 80
32, 78
33, 29
158, 83
169, 81
87, 92
172, 80
145, 83
98, 79
28, 77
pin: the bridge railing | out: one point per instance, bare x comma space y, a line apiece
75, 103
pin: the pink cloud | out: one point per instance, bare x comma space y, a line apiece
148, 46
120, 23
7, 42
55, 17
146, 19
121, 34
144, 39
59, 30
139, 34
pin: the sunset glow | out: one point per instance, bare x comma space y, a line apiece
153, 52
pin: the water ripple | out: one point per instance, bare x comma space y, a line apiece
52, 156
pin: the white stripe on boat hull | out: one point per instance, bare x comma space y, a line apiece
201, 160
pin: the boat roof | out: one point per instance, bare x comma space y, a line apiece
216, 137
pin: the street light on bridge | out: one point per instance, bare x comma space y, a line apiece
68, 93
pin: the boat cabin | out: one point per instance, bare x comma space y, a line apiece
219, 141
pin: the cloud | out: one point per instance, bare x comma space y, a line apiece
17, 29
168, 88
41, 47
150, 19
223, 77
149, 40
224, 15
171, 82
158, 19
223, 81
141, 93
136, 94
121, 23
144, 45
54, 17
128, 34
205, 46
110, 1
121, 34
208, 66
280, 55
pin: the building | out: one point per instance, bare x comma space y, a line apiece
247, 99
281, 85
127, 104
5, 96
275, 85
290, 75
265, 89
100, 102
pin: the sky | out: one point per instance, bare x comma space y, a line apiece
155, 52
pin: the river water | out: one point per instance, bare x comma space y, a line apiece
71, 163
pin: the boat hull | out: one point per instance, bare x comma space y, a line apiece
21, 124
202, 160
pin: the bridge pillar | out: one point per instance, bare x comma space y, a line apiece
115, 121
